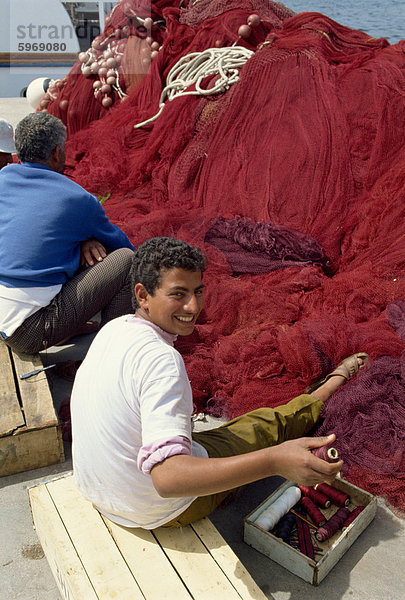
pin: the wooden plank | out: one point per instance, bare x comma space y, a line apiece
85, 549
30, 450
102, 560
62, 557
146, 559
35, 394
194, 564
11, 416
227, 560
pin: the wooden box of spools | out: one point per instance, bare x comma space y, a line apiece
328, 552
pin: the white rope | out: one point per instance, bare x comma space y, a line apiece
193, 68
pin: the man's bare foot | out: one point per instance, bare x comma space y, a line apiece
343, 372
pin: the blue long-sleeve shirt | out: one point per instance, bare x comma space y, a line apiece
44, 216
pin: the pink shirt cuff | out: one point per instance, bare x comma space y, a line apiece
156, 452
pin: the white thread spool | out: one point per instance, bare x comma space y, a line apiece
271, 516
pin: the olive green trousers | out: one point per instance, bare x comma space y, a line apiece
252, 431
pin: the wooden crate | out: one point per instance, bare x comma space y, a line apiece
312, 571
94, 559
30, 436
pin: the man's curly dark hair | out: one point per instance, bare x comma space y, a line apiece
161, 254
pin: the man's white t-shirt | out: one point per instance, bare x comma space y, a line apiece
131, 390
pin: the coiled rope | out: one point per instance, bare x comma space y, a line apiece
193, 68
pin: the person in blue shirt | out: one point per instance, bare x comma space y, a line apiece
61, 259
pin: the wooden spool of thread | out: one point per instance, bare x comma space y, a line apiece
326, 453
333, 525
337, 497
317, 497
313, 511
355, 513
272, 515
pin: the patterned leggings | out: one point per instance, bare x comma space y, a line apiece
104, 287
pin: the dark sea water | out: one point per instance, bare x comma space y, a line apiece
378, 18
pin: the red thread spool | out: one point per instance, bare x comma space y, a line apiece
326, 453
319, 498
333, 525
355, 513
313, 511
338, 498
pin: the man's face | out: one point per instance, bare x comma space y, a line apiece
177, 301
5, 159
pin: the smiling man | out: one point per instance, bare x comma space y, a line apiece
134, 455
176, 304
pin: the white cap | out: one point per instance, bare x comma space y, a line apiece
6, 137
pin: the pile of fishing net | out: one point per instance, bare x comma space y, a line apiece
291, 177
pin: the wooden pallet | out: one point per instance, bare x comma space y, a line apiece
30, 436
94, 559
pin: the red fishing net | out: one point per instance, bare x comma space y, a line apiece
307, 147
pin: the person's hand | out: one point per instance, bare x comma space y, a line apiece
91, 251
294, 460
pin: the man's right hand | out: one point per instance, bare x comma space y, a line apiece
91, 251
294, 460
